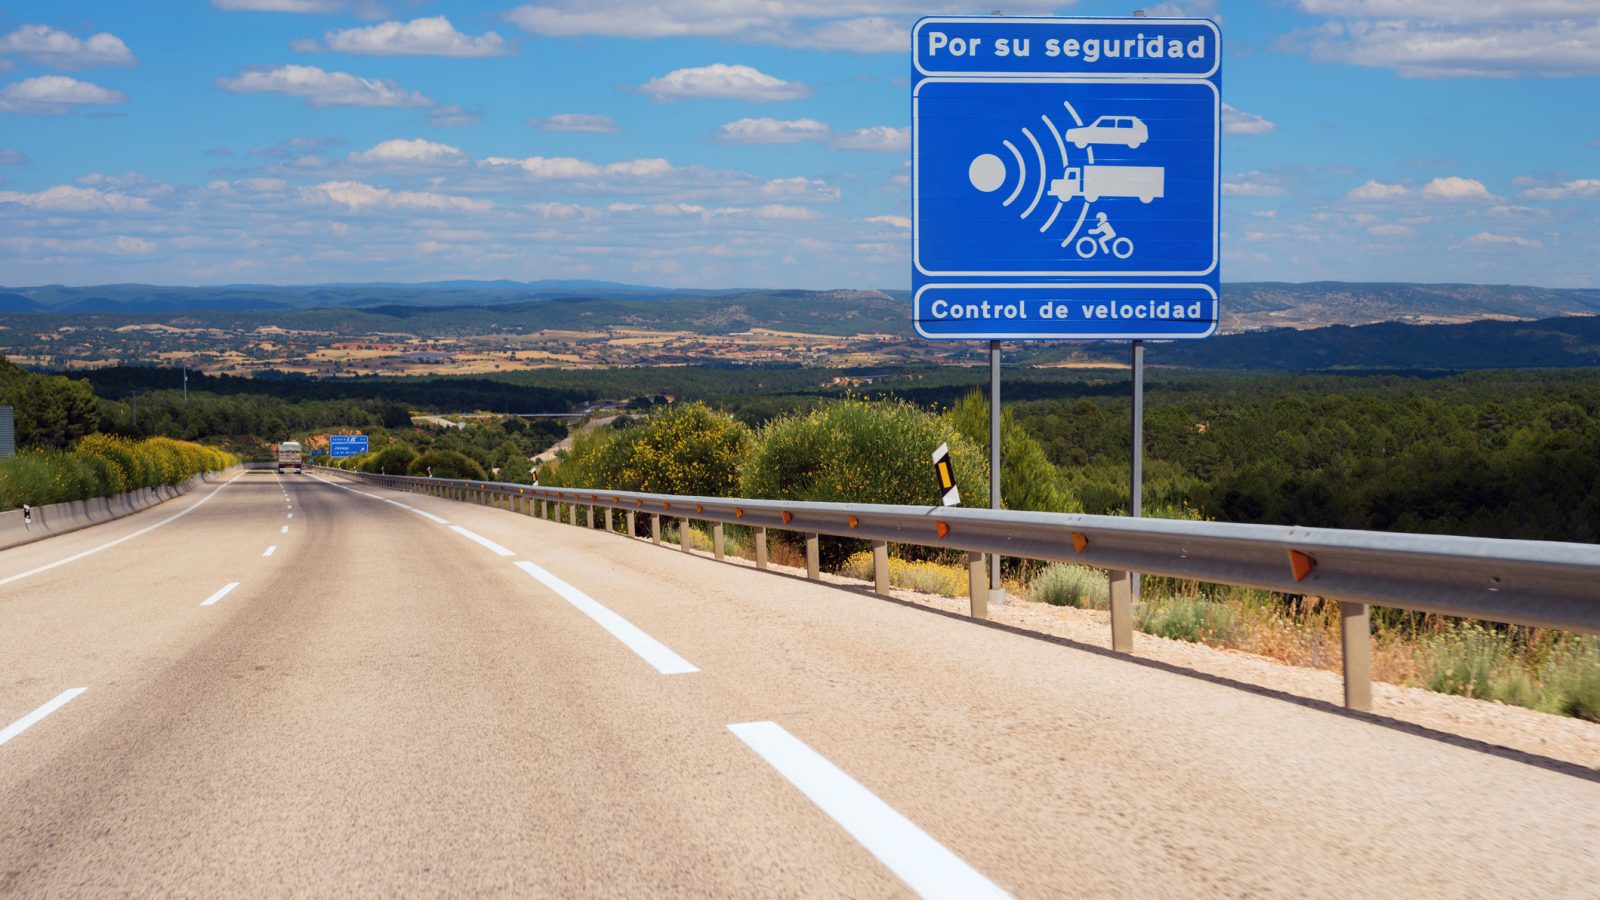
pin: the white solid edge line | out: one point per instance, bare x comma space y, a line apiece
270, 550
478, 538
924, 864
648, 648
127, 537
29, 720
219, 594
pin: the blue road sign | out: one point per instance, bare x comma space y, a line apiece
1065, 177
343, 445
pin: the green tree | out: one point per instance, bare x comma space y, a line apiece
1027, 478
446, 464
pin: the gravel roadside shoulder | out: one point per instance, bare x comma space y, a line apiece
1535, 737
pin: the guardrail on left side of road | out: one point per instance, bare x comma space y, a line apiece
17, 529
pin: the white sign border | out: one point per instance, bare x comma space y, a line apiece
1216, 185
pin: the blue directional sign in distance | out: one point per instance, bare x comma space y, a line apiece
343, 445
1065, 177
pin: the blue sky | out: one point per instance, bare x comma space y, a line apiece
720, 144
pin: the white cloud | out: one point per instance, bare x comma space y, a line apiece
891, 221
857, 26
786, 213
67, 198
870, 34
1246, 186
416, 152
566, 168
801, 188
320, 88
878, 137
433, 36
1377, 190
448, 115
357, 196
583, 122
1235, 121
1453, 187
1484, 238
1391, 230
1582, 187
11, 156
54, 47
723, 82
55, 95
1446, 38
770, 131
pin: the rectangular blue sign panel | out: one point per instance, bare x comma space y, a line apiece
1065, 177
343, 445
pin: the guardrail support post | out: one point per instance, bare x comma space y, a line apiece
761, 548
813, 558
1355, 633
1121, 611
880, 567
632, 524
589, 516
717, 542
655, 529
609, 526
539, 505
683, 535
977, 586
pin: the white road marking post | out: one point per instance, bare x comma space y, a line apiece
648, 648
220, 593
31, 719
271, 550
478, 538
924, 864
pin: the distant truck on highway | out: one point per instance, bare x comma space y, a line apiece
1093, 182
289, 457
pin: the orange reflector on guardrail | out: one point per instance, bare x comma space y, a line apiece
1301, 564
738, 513
941, 528
854, 521
787, 517
699, 507
1079, 541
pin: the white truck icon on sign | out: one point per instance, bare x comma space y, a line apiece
1093, 182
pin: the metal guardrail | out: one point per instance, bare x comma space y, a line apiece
1539, 583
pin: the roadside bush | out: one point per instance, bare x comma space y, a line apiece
1027, 478
446, 464
913, 575
1064, 584
395, 459
1196, 619
686, 448
102, 466
853, 451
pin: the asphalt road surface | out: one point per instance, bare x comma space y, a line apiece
405, 696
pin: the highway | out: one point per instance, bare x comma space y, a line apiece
401, 695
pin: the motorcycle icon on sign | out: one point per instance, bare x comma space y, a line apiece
1102, 238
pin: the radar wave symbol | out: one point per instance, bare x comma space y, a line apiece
989, 172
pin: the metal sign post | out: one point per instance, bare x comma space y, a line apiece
1065, 184
997, 591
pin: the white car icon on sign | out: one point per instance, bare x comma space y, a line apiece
1127, 130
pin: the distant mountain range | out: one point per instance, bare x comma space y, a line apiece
1245, 305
